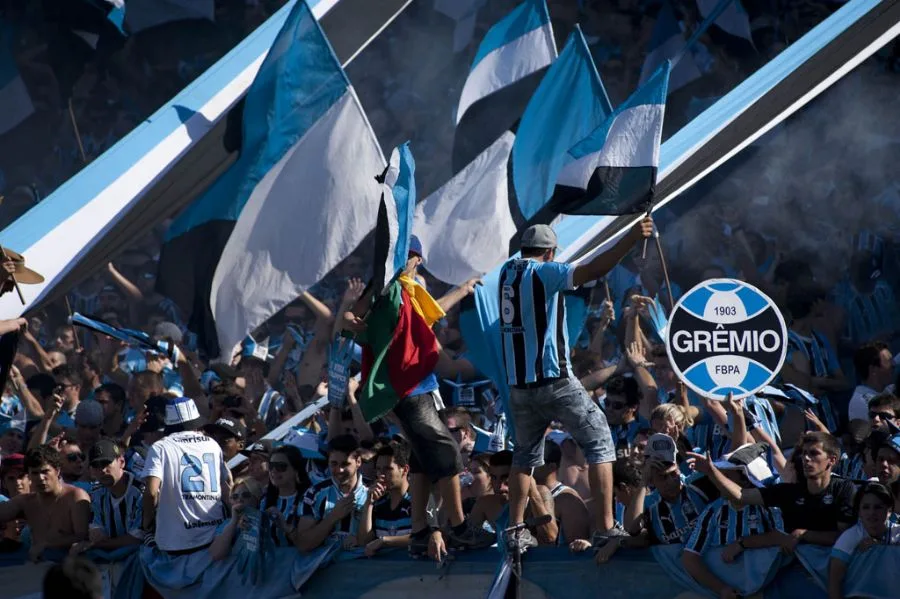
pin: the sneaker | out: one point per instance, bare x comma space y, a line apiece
525, 541
602, 538
418, 547
472, 538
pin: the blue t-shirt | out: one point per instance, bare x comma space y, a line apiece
533, 325
721, 524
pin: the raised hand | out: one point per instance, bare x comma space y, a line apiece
355, 288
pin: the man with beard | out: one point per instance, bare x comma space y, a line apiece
116, 503
58, 514
334, 505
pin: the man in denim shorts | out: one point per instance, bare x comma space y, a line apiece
542, 386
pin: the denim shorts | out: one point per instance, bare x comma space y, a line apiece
433, 450
564, 401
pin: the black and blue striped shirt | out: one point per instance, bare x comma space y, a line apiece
721, 524
533, 320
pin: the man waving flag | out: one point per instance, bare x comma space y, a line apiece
613, 170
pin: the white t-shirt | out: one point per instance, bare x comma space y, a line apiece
847, 543
191, 469
859, 403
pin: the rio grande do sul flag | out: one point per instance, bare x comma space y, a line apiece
399, 347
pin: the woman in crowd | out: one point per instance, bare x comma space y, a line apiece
874, 504
246, 494
288, 483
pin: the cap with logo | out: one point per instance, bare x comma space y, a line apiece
540, 237
662, 448
104, 451
231, 427
261, 447
89, 413
181, 412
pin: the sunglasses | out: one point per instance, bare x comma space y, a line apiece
241, 496
617, 405
279, 466
882, 415
75, 457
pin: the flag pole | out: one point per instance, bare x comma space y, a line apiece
13, 277
77, 135
665, 269
69, 310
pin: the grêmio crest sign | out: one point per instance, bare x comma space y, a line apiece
726, 336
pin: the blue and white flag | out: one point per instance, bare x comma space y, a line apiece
568, 105
303, 186
668, 43
466, 225
518, 45
394, 224
733, 19
613, 170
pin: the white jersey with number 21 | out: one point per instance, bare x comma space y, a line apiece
191, 470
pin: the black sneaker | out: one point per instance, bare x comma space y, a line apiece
602, 538
472, 538
418, 547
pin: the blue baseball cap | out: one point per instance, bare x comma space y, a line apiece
415, 247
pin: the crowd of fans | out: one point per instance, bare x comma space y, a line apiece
83, 414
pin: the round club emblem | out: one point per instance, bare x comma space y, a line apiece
726, 336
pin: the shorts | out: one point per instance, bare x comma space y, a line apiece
433, 450
566, 401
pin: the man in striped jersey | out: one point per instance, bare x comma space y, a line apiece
731, 529
667, 515
333, 506
116, 502
387, 515
535, 345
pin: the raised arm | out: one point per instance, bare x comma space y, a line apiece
730, 489
454, 296
602, 264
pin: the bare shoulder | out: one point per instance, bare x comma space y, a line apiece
75, 494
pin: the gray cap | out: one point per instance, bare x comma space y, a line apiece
539, 237
662, 448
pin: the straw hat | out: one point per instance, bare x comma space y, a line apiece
23, 274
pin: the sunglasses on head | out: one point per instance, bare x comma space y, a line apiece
75, 457
244, 496
278, 466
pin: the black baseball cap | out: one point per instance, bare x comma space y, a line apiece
104, 450
230, 426
261, 447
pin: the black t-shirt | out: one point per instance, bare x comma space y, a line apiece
801, 509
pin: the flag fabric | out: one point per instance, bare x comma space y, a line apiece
518, 45
15, 101
732, 18
613, 170
399, 348
506, 70
668, 43
297, 201
144, 14
568, 105
467, 223
82, 31
394, 224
